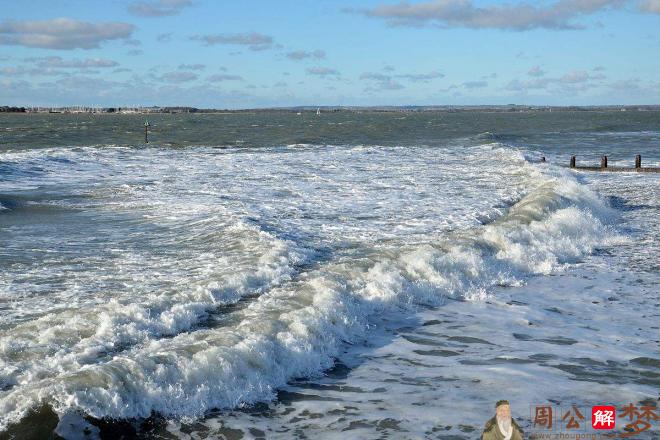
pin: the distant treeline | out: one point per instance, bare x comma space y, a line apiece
7, 109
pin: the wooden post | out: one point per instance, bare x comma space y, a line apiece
572, 162
543, 159
603, 162
146, 132
638, 161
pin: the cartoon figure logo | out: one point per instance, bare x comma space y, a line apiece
502, 426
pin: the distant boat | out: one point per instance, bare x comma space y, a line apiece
318, 111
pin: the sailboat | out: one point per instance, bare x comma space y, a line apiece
318, 111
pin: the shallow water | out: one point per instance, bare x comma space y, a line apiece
384, 275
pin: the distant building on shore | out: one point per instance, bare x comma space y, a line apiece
94, 110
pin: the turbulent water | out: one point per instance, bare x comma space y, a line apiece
274, 275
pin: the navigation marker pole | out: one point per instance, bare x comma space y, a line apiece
146, 132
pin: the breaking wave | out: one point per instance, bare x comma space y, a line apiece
131, 357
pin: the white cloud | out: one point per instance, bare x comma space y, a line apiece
138, 90
60, 63
301, 54
192, 66
388, 85
465, 13
224, 77
386, 81
574, 77
652, 6
380, 81
520, 86
421, 77
62, 33
574, 80
626, 84
165, 37
535, 71
253, 40
375, 76
475, 84
178, 77
322, 71
158, 8
82, 82
15, 71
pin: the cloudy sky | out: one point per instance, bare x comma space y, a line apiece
257, 53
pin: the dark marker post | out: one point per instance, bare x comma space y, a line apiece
146, 132
604, 167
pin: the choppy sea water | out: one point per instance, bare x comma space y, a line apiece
364, 275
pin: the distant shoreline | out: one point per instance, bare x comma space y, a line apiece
512, 108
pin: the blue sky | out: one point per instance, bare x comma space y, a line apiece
225, 54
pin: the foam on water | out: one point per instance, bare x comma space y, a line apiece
583, 336
314, 250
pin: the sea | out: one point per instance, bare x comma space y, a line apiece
368, 275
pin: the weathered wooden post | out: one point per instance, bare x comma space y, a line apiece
603, 162
146, 132
638, 161
572, 162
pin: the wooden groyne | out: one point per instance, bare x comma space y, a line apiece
638, 168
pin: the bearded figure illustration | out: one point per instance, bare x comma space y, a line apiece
502, 426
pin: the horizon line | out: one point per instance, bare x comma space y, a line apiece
347, 107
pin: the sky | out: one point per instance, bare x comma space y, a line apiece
268, 53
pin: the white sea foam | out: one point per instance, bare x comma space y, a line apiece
578, 337
320, 240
